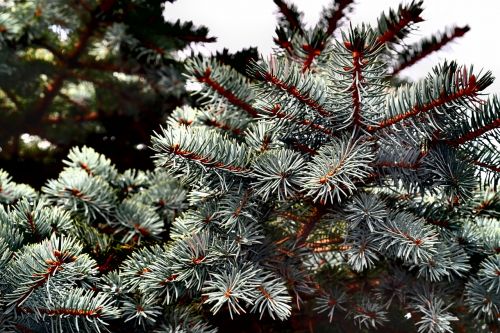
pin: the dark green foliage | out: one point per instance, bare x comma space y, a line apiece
100, 72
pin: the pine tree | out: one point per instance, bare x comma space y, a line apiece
316, 192
100, 72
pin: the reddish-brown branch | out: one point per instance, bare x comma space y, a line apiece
175, 149
312, 52
284, 44
107, 67
281, 241
213, 122
281, 115
55, 51
324, 242
331, 248
143, 271
485, 204
264, 292
53, 266
405, 18
289, 15
292, 90
265, 143
169, 279
292, 217
335, 18
31, 223
232, 98
470, 90
487, 166
75, 192
474, 134
50, 92
92, 313
106, 85
286, 252
107, 264
85, 5
457, 32
52, 89
357, 77
332, 171
363, 311
143, 231
304, 148
306, 228
416, 241
242, 203
198, 260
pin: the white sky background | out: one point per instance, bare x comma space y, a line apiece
239, 24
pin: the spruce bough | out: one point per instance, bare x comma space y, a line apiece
317, 185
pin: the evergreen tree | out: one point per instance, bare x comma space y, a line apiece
101, 72
315, 193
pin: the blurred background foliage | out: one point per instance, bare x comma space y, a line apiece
104, 73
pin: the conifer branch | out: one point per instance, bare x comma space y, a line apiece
80, 192
205, 78
482, 120
263, 136
368, 313
331, 173
277, 171
275, 111
187, 32
284, 39
357, 76
290, 15
417, 52
356, 68
405, 228
332, 16
207, 149
45, 261
84, 308
57, 119
53, 266
52, 89
308, 226
461, 86
223, 81
474, 134
12, 97
324, 243
312, 51
288, 79
487, 166
304, 148
88, 114
397, 25
226, 127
